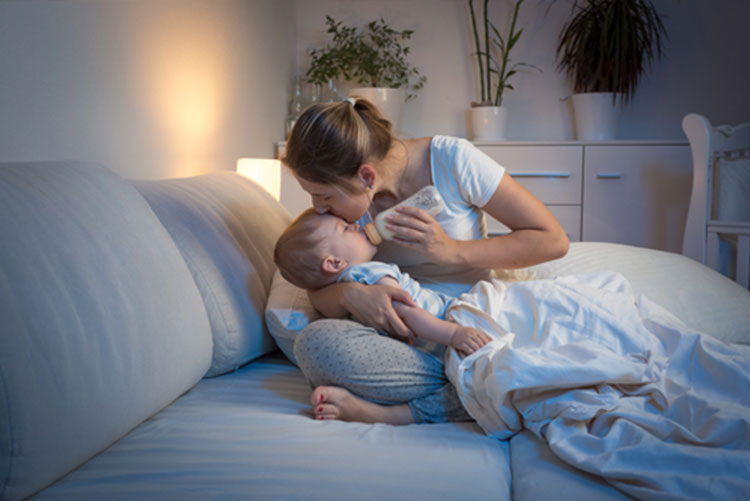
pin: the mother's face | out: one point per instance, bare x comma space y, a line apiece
336, 200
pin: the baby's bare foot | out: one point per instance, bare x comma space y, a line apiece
332, 402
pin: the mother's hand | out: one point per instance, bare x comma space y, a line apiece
415, 229
372, 305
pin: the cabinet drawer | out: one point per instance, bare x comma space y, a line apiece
552, 173
568, 215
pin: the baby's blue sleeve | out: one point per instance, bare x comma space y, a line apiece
369, 273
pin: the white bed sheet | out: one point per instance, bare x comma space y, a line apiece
538, 474
248, 435
616, 387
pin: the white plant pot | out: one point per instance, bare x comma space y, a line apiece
488, 123
389, 101
596, 116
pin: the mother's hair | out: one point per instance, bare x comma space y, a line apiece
330, 141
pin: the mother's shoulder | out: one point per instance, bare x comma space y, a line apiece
452, 142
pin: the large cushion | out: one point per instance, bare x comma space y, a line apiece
226, 226
699, 296
102, 325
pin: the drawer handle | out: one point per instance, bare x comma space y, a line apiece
607, 175
539, 174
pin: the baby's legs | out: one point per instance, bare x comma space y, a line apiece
361, 364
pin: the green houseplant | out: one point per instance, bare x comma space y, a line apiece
374, 57
488, 116
604, 49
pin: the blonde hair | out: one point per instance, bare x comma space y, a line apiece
329, 142
299, 253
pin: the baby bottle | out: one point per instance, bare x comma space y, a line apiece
428, 199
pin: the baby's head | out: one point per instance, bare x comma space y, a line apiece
313, 251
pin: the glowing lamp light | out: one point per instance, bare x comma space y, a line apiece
264, 171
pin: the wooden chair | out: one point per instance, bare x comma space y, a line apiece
717, 230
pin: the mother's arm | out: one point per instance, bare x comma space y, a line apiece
536, 234
368, 304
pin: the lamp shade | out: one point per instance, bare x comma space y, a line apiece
264, 171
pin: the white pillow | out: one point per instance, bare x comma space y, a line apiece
288, 311
225, 226
699, 296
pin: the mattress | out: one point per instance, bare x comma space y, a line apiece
249, 435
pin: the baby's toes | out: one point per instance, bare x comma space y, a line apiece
326, 411
317, 396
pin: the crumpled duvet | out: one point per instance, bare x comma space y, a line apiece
616, 387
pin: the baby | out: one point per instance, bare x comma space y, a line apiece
319, 249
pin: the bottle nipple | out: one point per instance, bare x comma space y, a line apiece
372, 234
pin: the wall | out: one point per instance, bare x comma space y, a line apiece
704, 68
162, 88
149, 88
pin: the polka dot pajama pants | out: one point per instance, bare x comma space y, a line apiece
380, 369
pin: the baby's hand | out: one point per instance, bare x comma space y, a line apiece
467, 340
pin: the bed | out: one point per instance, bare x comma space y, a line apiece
610, 414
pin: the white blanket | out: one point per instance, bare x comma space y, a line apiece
616, 387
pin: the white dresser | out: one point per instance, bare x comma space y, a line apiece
632, 192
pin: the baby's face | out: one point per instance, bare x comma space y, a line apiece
345, 240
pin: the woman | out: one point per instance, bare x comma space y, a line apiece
345, 156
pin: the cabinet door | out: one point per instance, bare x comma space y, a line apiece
636, 194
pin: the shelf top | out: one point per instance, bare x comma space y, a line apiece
616, 142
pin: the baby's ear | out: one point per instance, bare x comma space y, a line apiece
333, 264
367, 175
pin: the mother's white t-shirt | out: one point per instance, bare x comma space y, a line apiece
466, 179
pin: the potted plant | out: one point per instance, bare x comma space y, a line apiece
604, 49
488, 116
375, 58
